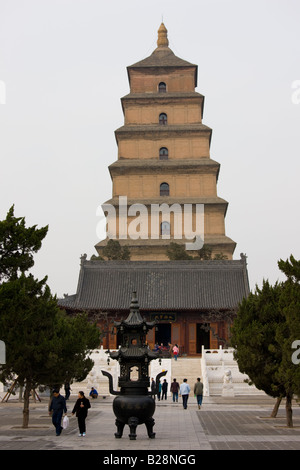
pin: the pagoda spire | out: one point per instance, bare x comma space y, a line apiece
162, 40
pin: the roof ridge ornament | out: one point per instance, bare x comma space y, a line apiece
162, 40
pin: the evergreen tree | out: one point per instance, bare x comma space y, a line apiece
291, 268
289, 370
253, 337
43, 345
204, 253
177, 252
114, 251
266, 326
18, 244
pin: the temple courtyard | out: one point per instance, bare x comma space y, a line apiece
222, 423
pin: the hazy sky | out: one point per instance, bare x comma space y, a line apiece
63, 64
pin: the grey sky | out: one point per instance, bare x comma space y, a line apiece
64, 66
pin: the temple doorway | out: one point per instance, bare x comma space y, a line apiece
203, 336
163, 334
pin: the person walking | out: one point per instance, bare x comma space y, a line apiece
198, 391
175, 351
158, 391
81, 409
67, 391
56, 408
153, 388
164, 389
174, 390
184, 392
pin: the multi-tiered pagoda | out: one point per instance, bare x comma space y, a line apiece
164, 159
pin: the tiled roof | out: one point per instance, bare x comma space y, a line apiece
162, 57
166, 285
160, 129
133, 352
156, 96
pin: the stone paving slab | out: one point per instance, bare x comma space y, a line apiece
249, 427
221, 424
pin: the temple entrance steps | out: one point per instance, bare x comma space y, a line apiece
186, 368
216, 367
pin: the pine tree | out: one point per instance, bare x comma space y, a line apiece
114, 251
18, 244
263, 333
177, 252
253, 336
289, 332
43, 345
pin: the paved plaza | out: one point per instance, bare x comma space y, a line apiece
240, 423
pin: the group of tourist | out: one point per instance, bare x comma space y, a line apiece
170, 349
58, 407
58, 403
183, 390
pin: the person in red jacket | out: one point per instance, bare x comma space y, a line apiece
175, 351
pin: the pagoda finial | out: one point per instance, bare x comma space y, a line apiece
162, 40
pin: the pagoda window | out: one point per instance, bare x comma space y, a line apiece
165, 228
163, 120
163, 153
162, 87
164, 189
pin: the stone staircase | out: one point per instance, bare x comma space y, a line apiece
221, 375
186, 368
211, 368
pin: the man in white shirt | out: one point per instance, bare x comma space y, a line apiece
184, 392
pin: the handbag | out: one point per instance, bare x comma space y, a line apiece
65, 422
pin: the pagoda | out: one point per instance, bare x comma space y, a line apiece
164, 159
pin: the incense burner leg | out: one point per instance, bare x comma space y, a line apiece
149, 425
120, 427
132, 423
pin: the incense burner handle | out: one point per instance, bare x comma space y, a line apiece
110, 381
158, 377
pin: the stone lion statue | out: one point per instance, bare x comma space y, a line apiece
227, 377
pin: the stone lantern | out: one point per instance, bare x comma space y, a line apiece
133, 404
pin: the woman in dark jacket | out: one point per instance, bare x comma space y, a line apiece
81, 409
